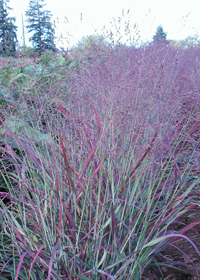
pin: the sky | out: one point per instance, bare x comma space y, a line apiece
74, 19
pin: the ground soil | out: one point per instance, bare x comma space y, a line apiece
191, 257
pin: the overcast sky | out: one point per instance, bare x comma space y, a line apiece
179, 18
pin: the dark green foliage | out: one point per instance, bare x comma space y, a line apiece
39, 23
160, 35
8, 36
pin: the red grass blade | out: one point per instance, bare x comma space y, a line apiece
91, 155
70, 120
189, 227
142, 158
190, 134
71, 184
39, 250
99, 166
60, 219
88, 139
88, 160
20, 263
51, 261
97, 117
72, 227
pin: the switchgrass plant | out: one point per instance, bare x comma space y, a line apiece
94, 173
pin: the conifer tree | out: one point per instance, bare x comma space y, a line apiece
39, 23
8, 36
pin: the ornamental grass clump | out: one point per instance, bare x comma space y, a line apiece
95, 188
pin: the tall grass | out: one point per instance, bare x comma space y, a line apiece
98, 162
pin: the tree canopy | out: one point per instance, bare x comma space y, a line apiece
160, 35
8, 36
39, 23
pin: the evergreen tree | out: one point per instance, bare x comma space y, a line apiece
39, 23
8, 36
160, 35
